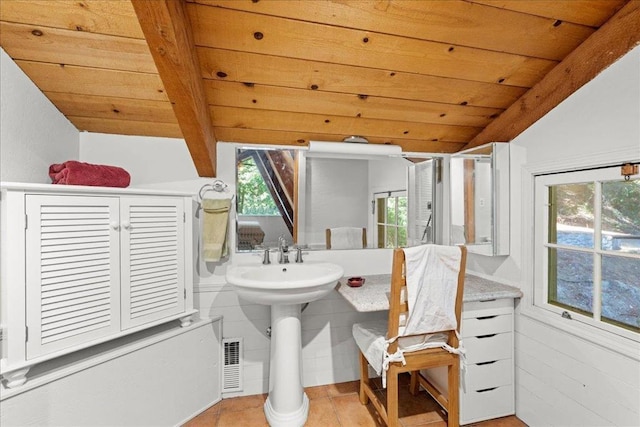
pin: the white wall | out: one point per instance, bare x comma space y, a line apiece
154, 385
33, 133
164, 384
148, 160
564, 379
325, 207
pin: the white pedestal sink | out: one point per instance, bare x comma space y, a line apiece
285, 287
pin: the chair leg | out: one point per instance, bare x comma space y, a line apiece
364, 378
392, 398
414, 386
453, 407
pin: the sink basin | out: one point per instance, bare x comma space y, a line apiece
285, 287
284, 283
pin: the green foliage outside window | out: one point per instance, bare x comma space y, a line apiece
392, 221
253, 195
575, 205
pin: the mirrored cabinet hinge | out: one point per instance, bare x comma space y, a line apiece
185, 293
26, 221
184, 217
26, 333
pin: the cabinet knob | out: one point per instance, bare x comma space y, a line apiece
115, 225
126, 225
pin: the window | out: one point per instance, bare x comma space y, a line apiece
587, 234
391, 219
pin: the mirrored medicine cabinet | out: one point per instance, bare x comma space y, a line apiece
479, 179
299, 194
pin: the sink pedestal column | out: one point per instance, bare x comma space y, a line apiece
287, 404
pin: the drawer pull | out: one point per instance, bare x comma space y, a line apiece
487, 300
486, 336
486, 389
486, 363
486, 317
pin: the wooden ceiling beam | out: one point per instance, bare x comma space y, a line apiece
167, 29
615, 38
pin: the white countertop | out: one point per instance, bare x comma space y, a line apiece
374, 294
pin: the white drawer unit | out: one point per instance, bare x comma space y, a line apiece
487, 383
487, 387
83, 265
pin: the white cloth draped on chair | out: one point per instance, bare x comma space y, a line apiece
432, 284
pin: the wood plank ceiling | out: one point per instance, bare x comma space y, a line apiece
431, 76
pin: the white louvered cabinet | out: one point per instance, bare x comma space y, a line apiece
72, 271
84, 265
152, 262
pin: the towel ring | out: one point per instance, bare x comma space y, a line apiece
219, 186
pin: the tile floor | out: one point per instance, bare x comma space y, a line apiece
336, 405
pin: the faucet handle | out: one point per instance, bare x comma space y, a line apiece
299, 254
265, 257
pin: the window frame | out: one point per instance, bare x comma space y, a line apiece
540, 222
394, 194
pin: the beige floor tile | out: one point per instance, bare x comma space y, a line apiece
352, 413
511, 421
338, 405
321, 413
208, 418
316, 392
253, 417
242, 403
432, 424
341, 389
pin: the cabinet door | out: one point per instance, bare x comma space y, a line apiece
152, 258
73, 274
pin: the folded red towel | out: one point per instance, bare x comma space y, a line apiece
78, 173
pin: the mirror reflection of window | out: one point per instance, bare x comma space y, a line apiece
391, 219
265, 181
479, 180
421, 202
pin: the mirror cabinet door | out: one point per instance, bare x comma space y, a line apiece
480, 199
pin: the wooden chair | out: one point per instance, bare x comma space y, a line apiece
415, 360
364, 239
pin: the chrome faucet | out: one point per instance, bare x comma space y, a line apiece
265, 257
299, 254
283, 251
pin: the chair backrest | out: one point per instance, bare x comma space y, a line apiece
346, 238
399, 306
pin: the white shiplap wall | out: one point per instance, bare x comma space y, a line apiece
563, 379
329, 353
